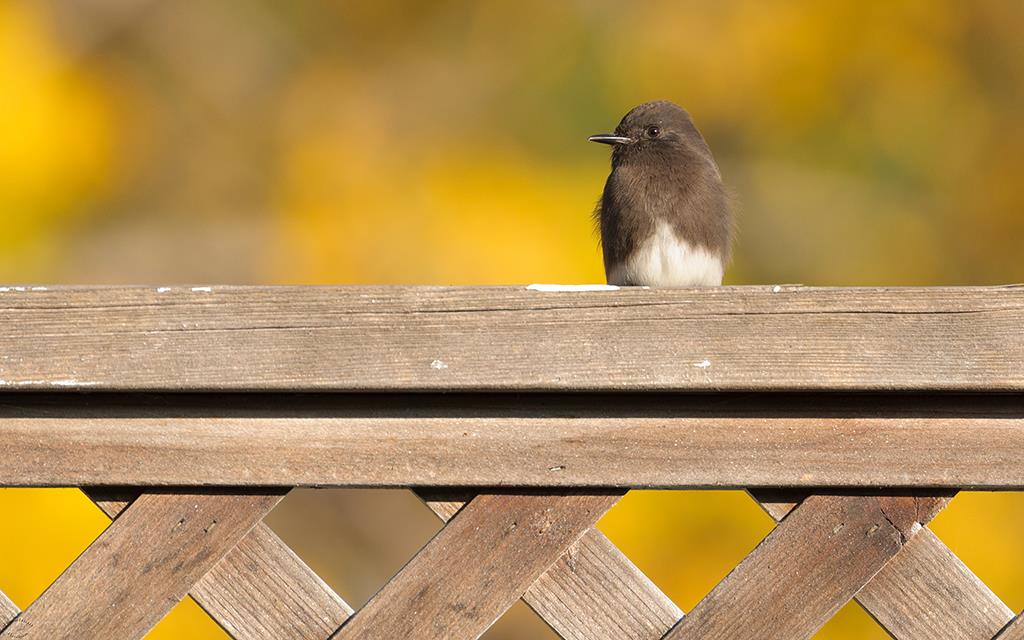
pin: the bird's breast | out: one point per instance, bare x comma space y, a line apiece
666, 260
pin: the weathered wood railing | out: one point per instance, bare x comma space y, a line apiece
520, 415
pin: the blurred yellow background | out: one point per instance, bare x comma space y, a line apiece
444, 142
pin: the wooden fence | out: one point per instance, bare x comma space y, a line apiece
520, 415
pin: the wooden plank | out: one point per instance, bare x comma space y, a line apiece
263, 590
593, 591
260, 589
8, 610
512, 338
634, 441
141, 565
925, 592
778, 503
1014, 630
477, 566
920, 506
803, 572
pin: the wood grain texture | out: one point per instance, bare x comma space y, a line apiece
8, 610
637, 440
1014, 630
593, 591
920, 506
260, 589
512, 338
778, 503
477, 566
925, 592
804, 571
141, 565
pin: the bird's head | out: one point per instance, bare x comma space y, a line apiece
651, 130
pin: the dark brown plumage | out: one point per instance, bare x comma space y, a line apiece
664, 216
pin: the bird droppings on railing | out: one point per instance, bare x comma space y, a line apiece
438, 365
776, 289
703, 364
162, 289
555, 288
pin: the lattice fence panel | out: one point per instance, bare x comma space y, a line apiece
498, 547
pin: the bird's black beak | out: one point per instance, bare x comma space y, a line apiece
610, 138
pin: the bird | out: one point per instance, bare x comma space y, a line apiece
665, 217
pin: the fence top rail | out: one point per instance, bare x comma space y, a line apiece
536, 338
639, 440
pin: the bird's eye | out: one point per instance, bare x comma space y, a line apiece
653, 131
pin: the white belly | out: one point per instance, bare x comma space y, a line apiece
664, 260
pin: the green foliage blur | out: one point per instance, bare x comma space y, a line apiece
444, 142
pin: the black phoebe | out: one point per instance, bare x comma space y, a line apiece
664, 215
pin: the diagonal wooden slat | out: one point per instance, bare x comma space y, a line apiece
925, 592
804, 571
260, 589
593, 591
1014, 630
8, 610
142, 565
477, 566
916, 506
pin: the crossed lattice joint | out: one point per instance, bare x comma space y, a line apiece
499, 547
